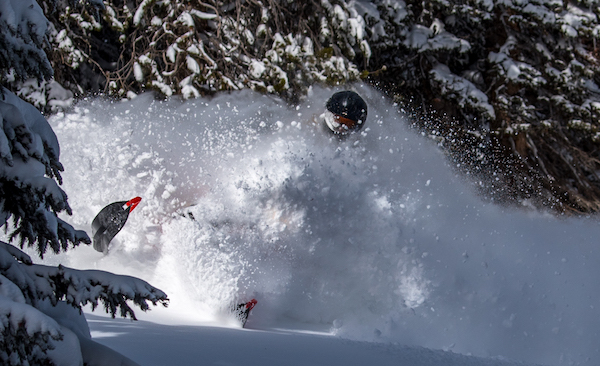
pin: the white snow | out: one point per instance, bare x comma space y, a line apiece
192, 64
257, 68
423, 39
363, 251
203, 15
139, 13
24, 16
152, 344
138, 72
461, 89
515, 71
20, 313
186, 19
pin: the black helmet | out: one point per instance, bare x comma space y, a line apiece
349, 112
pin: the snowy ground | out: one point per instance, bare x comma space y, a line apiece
152, 344
372, 239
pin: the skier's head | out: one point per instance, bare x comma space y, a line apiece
346, 112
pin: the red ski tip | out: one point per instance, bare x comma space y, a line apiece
132, 203
250, 304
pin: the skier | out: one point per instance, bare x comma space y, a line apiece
241, 311
346, 113
109, 221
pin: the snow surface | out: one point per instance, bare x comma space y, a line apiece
369, 248
157, 344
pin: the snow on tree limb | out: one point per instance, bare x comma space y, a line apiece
23, 28
30, 174
17, 254
200, 47
517, 105
25, 333
461, 90
24, 330
77, 287
33, 297
193, 48
92, 286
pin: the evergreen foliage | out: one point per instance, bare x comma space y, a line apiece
193, 48
26, 333
30, 177
22, 35
513, 84
30, 195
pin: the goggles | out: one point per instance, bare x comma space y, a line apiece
339, 124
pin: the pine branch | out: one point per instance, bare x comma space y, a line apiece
77, 287
25, 334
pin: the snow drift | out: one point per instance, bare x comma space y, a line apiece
373, 237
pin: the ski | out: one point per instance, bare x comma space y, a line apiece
109, 221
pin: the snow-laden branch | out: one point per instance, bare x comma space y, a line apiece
28, 330
77, 287
465, 93
30, 176
24, 332
190, 49
23, 28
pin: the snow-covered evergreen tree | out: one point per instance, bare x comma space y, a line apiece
194, 48
513, 84
40, 306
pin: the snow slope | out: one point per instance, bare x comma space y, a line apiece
151, 344
370, 239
